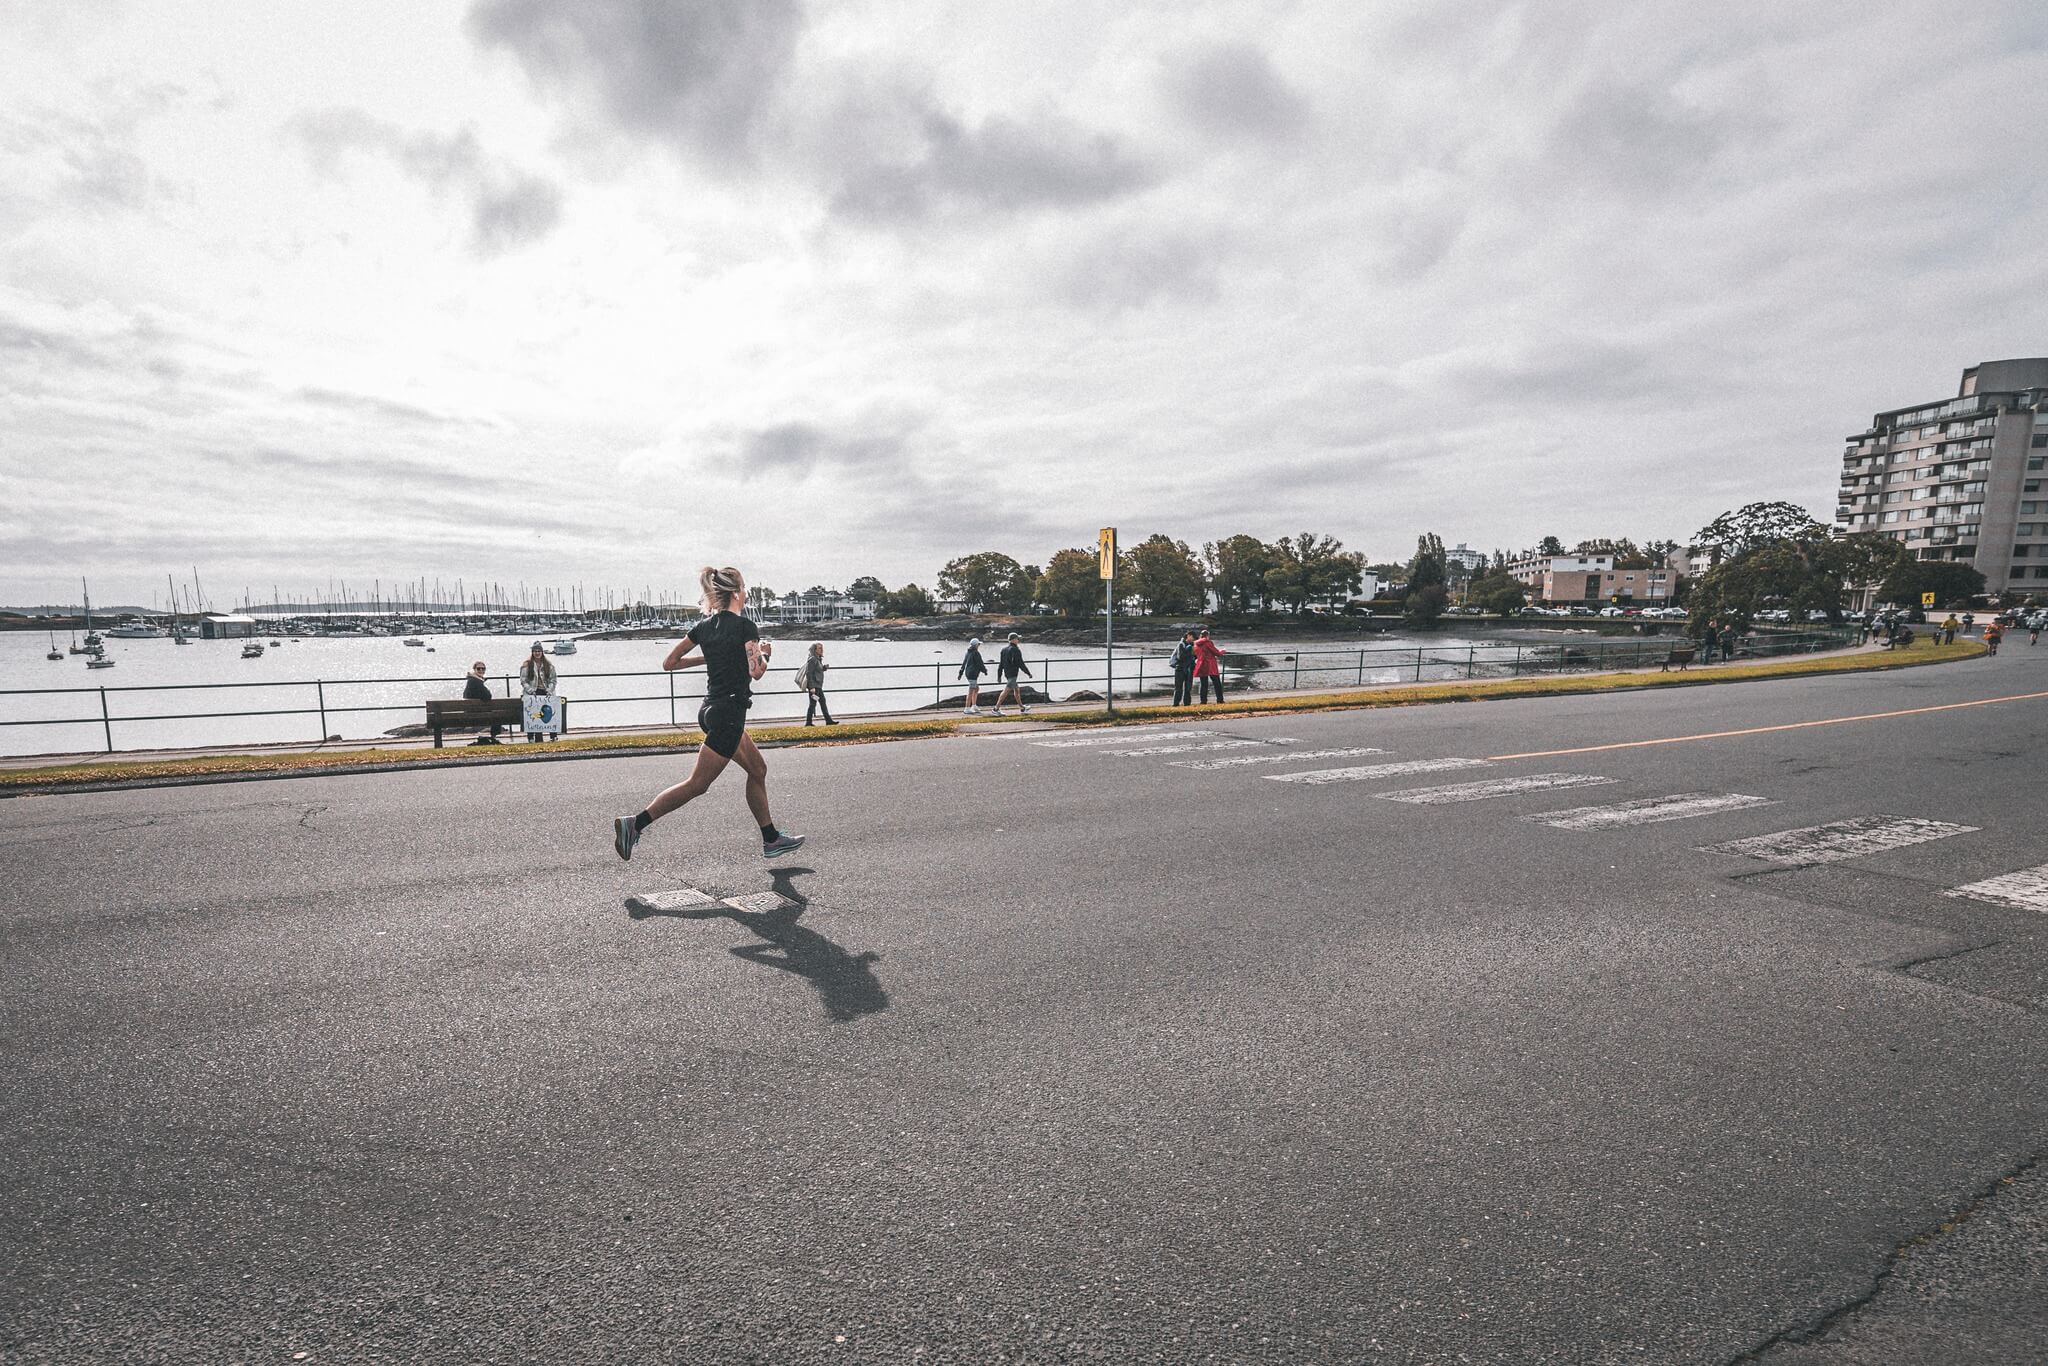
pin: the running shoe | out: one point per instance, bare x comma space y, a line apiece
780, 845
625, 835
997, 712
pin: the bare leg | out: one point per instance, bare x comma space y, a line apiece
749, 758
974, 694
710, 763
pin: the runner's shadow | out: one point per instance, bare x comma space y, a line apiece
845, 982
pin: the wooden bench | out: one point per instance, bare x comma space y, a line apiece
1681, 655
461, 713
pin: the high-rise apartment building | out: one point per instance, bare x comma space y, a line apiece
1961, 478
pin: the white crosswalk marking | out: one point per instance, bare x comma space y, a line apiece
1366, 772
1120, 738
1647, 810
681, 899
758, 901
1200, 744
2026, 890
1239, 759
1492, 787
1838, 840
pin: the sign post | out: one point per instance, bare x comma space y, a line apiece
1105, 549
1927, 599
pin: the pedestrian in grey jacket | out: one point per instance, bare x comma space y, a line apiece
814, 683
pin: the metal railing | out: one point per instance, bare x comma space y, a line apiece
1138, 674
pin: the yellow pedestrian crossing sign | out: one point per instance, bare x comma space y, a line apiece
1927, 599
1106, 550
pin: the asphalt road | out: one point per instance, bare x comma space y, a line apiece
1054, 1052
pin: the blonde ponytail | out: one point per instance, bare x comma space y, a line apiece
725, 590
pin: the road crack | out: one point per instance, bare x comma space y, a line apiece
1815, 1329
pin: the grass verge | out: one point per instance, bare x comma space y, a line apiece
199, 768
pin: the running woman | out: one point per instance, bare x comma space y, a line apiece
734, 657
1008, 664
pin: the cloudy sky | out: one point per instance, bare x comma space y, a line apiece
604, 291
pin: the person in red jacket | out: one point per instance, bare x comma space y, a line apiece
1209, 665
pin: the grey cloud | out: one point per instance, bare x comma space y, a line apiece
1636, 137
1133, 267
1003, 164
509, 208
370, 405
797, 448
523, 210
1232, 90
700, 75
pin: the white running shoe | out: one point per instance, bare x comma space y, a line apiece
997, 712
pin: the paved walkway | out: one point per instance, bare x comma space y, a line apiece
1044, 710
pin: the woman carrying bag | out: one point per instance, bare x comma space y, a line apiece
811, 678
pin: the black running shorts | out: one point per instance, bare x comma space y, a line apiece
724, 721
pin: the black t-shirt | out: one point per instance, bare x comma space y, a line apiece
723, 640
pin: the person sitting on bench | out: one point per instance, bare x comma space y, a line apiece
474, 689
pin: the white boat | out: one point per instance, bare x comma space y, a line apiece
98, 662
561, 647
253, 650
55, 653
414, 640
135, 630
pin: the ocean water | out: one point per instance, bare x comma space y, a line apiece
164, 695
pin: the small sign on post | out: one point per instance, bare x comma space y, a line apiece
1927, 599
1105, 543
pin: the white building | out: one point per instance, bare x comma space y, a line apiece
795, 609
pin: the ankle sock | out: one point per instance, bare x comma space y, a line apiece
641, 822
769, 834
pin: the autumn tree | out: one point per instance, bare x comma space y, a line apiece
1072, 583
907, 601
1163, 574
985, 579
1237, 570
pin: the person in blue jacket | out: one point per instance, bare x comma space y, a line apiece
972, 667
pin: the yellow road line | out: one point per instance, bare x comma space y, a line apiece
1766, 730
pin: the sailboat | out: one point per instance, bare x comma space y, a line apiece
93, 644
55, 653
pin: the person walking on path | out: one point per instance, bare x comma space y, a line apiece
1184, 670
2034, 629
1948, 630
813, 680
1710, 637
1209, 665
537, 676
1009, 664
734, 657
972, 667
474, 689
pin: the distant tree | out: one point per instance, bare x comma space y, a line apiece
1550, 545
866, 588
1424, 606
1952, 583
1756, 524
1163, 574
1429, 568
907, 601
1497, 592
981, 580
1237, 570
818, 590
761, 599
1389, 571
1072, 583
1311, 568
1787, 560
1019, 589
1627, 555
